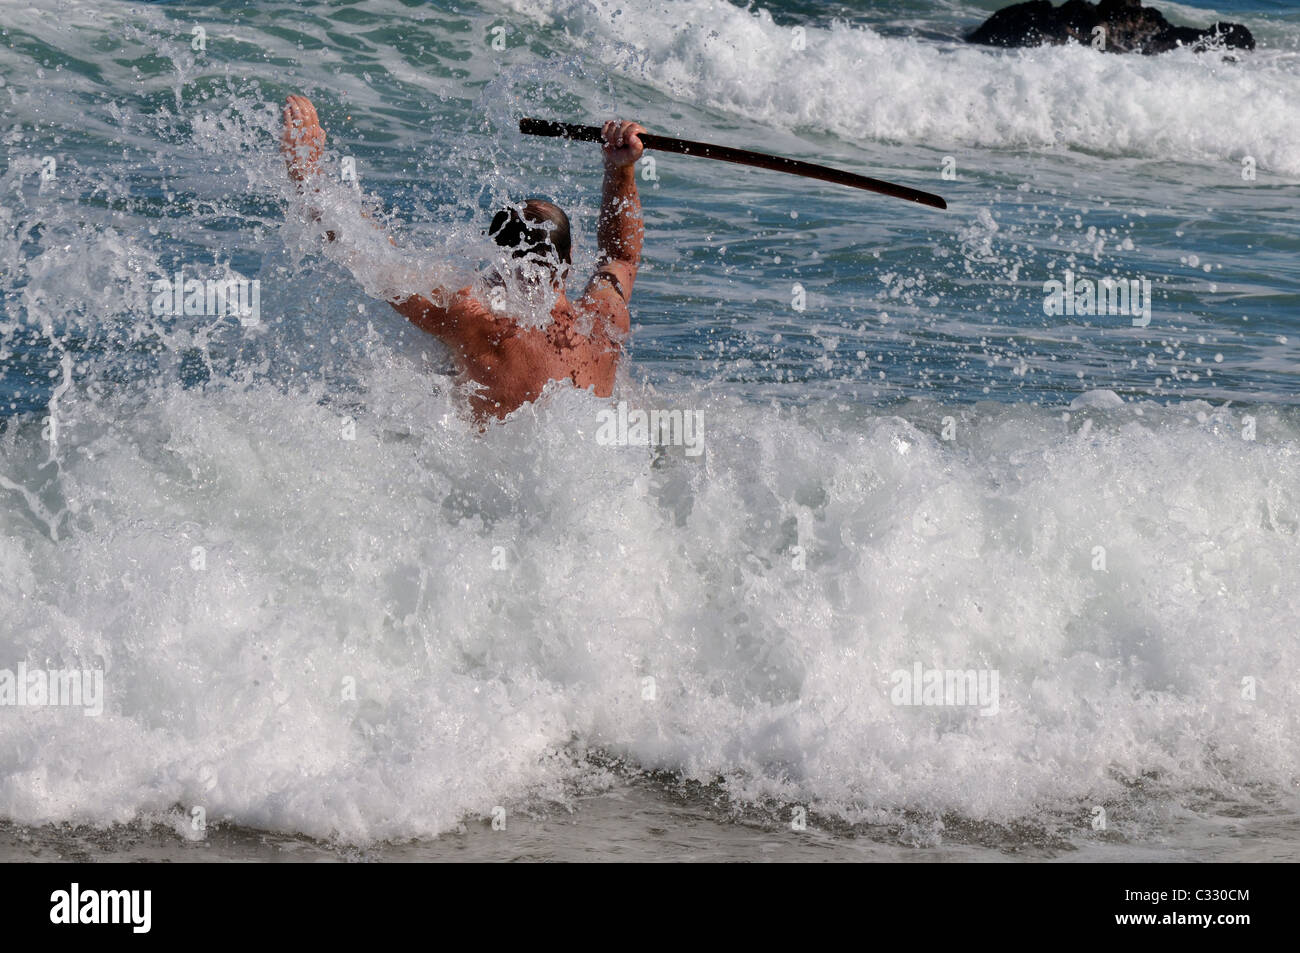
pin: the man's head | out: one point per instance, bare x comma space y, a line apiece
540, 232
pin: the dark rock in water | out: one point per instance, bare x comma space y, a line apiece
1129, 28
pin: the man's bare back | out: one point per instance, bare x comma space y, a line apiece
512, 363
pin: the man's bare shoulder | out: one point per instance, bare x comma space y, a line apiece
467, 301
606, 296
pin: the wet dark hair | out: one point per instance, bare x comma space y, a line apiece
541, 229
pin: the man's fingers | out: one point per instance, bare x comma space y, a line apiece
616, 131
300, 107
620, 136
301, 125
623, 131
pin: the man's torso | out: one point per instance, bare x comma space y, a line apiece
513, 363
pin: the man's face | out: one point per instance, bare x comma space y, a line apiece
530, 255
534, 270
524, 286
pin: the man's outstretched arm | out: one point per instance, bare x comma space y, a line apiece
620, 230
303, 143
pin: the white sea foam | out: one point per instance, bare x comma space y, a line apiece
330, 563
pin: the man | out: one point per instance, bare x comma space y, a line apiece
511, 363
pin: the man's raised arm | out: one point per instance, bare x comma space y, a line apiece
621, 228
303, 143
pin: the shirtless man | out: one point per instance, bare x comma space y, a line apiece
511, 363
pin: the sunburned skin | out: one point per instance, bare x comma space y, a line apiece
509, 363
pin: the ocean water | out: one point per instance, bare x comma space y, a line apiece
335, 620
